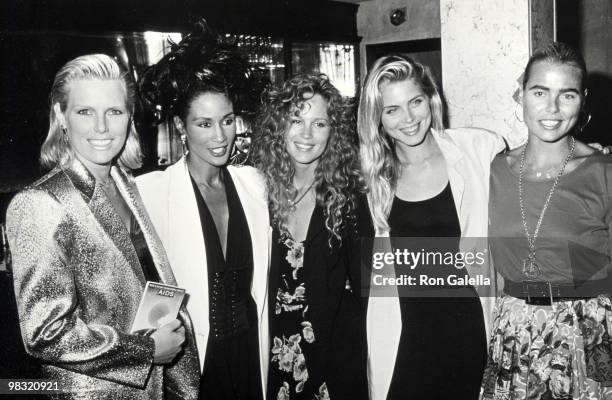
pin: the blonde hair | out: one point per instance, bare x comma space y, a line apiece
55, 149
379, 162
337, 178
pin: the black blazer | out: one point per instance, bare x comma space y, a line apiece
336, 313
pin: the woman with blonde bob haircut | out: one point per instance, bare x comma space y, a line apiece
428, 182
84, 247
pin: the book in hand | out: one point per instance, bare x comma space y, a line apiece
160, 304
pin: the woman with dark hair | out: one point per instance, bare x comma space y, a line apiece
83, 248
212, 218
305, 146
550, 231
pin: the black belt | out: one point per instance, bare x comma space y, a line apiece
546, 293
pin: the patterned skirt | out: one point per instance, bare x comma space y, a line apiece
562, 351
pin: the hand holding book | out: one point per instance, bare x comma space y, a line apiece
159, 304
158, 311
169, 340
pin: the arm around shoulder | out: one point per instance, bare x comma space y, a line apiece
487, 143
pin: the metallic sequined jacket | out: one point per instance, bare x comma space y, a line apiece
78, 282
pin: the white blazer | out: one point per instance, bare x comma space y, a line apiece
468, 153
171, 203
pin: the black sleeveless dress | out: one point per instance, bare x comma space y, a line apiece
442, 349
231, 364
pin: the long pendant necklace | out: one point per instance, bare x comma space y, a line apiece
530, 266
295, 254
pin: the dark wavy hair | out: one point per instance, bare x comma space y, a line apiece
337, 176
200, 63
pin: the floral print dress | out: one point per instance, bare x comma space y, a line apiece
544, 352
563, 350
294, 373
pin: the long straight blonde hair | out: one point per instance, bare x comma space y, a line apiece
379, 161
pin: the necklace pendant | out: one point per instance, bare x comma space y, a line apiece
530, 267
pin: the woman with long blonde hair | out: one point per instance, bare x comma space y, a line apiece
306, 148
428, 182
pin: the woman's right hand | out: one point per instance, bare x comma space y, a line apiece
168, 340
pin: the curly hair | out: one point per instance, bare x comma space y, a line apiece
337, 175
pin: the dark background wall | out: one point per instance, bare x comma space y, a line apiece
317, 19
38, 36
587, 25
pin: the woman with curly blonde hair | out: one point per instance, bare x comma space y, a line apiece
306, 147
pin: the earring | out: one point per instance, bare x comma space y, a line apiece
584, 125
516, 114
64, 133
184, 143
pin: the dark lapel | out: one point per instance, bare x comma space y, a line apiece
275, 254
316, 225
